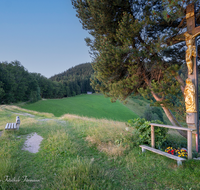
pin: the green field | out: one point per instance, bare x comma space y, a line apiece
95, 106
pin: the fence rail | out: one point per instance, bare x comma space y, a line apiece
189, 136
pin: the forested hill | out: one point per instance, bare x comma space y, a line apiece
76, 79
84, 70
17, 84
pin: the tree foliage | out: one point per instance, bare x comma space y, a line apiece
153, 113
76, 79
132, 48
17, 84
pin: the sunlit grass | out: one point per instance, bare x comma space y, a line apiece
85, 153
92, 106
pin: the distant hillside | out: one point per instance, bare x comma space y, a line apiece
77, 78
82, 70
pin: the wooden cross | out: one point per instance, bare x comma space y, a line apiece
192, 119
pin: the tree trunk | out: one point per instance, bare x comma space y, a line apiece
170, 116
174, 122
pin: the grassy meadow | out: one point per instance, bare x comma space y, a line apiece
84, 153
93, 106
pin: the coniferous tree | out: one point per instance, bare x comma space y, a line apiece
132, 48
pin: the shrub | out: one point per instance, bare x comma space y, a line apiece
142, 132
153, 113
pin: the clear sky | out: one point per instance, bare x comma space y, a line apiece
44, 35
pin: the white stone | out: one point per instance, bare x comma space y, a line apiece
32, 144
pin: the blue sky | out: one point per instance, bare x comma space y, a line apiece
44, 35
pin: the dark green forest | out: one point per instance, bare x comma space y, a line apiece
76, 79
19, 85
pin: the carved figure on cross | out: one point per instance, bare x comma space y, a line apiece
191, 50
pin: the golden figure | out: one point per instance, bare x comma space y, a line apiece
190, 52
189, 93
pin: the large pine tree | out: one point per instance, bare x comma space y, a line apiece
133, 51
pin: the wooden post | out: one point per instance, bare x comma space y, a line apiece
192, 119
152, 137
189, 144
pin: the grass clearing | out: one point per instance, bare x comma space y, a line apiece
68, 159
137, 104
92, 106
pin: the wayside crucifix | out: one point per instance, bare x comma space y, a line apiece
191, 88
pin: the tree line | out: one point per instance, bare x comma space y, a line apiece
17, 84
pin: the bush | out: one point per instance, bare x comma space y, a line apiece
142, 132
153, 113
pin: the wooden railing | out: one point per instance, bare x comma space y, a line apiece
189, 136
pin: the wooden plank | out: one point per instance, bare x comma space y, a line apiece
196, 31
190, 15
172, 127
162, 153
6, 126
11, 126
17, 125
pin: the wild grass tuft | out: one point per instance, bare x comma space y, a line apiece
81, 174
58, 144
